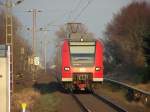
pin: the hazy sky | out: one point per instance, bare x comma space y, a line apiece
57, 12
95, 16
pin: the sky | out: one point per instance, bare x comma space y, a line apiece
95, 14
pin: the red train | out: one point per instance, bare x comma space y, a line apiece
80, 63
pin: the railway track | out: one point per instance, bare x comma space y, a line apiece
95, 103
115, 106
81, 105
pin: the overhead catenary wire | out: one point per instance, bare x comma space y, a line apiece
77, 6
75, 9
53, 22
65, 14
83, 9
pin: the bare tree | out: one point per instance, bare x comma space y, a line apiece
127, 31
2, 27
20, 59
128, 36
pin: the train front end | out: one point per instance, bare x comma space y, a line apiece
82, 64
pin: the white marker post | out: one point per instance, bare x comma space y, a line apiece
23, 105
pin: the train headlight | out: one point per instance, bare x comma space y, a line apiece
81, 39
97, 68
66, 68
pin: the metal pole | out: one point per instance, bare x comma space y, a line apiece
9, 35
45, 54
9, 38
33, 39
33, 31
45, 50
34, 14
9, 41
45, 46
41, 50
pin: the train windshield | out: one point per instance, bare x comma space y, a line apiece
82, 55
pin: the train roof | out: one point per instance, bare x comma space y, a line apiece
77, 37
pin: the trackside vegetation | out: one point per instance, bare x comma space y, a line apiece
127, 42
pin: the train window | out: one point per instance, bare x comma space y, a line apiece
82, 55
82, 49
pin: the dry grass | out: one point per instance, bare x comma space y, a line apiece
28, 96
47, 103
145, 87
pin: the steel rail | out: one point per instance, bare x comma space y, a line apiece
126, 86
84, 109
110, 103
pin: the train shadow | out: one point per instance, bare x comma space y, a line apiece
82, 92
54, 86
45, 88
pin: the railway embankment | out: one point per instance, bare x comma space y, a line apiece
119, 95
